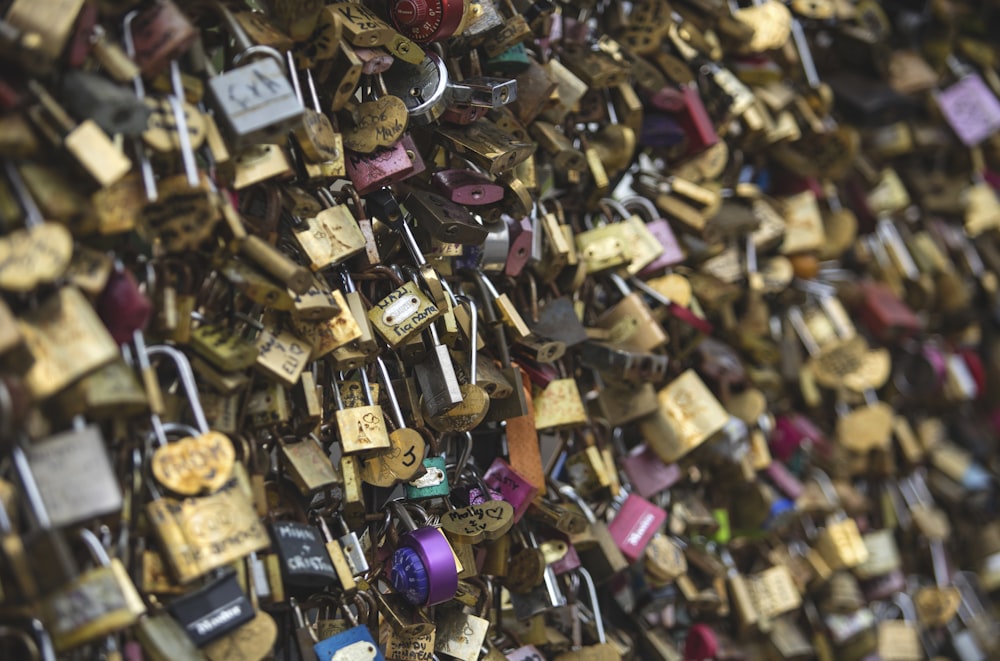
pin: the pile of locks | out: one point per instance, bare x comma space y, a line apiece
508, 330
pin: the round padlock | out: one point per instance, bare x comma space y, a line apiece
423, 567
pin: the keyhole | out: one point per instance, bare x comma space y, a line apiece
417, 94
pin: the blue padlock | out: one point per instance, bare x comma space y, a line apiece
355, 644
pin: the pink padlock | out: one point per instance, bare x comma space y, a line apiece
369, 172
701, 643
647, 473
790, 432
634, 525
782, 478
513, 486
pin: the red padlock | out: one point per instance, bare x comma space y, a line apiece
425, 21
885, 315
122, 307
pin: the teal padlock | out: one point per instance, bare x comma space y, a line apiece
511, 62
432, 484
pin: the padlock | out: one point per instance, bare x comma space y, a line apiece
98, 602
255, 101
319, 143
442, 219
361, 428
213, 610
475, 402
423, 566
66, 333
689, 414
900, 639
305, 560
74, 476
85, 141
514, 488
355, 642
160, 33
630, 321
634, 526
407, 446
840, 542
331, 237
20, 275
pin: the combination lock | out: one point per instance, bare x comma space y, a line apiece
425, 21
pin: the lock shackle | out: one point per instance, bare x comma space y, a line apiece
616, 206
6, 525
394, 409
366, 387
568, 493
179, 429
94, 546
27, 643
473, 473
128, 41
338, 401
327, 198
640, 206
619, 282
32, 213
487, 291
29, 488
186, 376
595, 605
293, 75
398, 509
314, 97
183, 137
462, 460
826, 487
389, 273
795, 318
473, 333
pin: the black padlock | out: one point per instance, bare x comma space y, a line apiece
213, 610
305, 562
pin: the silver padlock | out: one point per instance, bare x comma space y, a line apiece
255, 102
422, 87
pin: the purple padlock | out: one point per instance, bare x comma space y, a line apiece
659, 130
467, 187
526, 653
513, 486
673, 253
972, 110
521, 235
647, 473
423, 565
